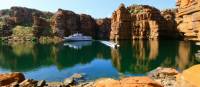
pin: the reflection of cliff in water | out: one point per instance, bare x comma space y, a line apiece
133, 57
32, 56
143, 56
136, 56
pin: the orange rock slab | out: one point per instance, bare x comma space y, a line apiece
189, 77
8, 78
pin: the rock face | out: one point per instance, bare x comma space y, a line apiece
10, 18
127, 82
41, 26
87, 25
22, 15
104, 28
145, 22
189, 77
65, 23
142, 22
8, 78
188, 18
121, 24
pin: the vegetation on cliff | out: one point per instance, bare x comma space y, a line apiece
23, 33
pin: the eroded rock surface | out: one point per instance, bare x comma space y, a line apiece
8, 78
164, 76
127, 82
188, 18
189, 77
142, 22
121, 24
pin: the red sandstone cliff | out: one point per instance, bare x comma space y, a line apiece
188, 18
121, 24
65, 23
142, 22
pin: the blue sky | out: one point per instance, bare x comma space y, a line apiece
96, 8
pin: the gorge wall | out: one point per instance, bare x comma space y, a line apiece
132, 22
188, 18
65, 23
47, 24
142, 22
14, 17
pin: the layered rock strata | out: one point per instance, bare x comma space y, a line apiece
65, 23
188, 18
121, 24
142, 22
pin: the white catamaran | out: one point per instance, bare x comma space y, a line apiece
78, 37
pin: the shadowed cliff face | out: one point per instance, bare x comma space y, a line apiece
188, 17
104, 28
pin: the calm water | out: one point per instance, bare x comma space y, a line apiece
56, 62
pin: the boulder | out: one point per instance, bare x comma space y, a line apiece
189, 77
55, 84
8, 78
164, 76
28, 83
139, 82
127, 82
107, 82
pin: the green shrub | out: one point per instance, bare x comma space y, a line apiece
135, 11
23, 33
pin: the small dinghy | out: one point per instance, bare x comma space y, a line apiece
110, 44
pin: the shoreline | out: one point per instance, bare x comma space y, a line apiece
160, 77
79, 80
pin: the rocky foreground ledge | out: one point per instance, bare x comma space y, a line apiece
160, 77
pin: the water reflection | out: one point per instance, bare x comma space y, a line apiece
78, 44
131, 58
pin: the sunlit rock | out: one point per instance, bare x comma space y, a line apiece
127, 82
189, 77
8, 78
187, 17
